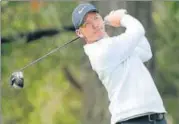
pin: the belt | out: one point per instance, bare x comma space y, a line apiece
156, 117
150, 117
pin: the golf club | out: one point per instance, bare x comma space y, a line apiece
17, 79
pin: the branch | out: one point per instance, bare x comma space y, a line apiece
35, 35
41, 33
69, 28
71, 79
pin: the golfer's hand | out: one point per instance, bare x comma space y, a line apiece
114, 17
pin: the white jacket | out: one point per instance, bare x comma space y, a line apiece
119, 63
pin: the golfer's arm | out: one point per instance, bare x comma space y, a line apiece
143, 50
123, 45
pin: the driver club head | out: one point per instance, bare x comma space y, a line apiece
17, 80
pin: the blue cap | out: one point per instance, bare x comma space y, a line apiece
79, 13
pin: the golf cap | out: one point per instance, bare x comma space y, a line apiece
79, 13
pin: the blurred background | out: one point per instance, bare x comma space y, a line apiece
62, 88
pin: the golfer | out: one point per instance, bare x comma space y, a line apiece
119, 63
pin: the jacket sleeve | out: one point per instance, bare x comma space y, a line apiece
143, 50
122, 46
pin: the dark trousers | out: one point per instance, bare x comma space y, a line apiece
144, 120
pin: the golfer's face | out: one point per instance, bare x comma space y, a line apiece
93, 26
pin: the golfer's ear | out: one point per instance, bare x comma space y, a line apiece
78, 32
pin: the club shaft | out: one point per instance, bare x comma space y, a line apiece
52, 51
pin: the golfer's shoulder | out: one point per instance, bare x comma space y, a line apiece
111, 40
108, 40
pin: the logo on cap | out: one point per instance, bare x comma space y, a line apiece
80, 11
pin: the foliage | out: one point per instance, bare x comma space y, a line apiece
47, 97
166, 18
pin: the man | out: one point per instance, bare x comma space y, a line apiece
119, 63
